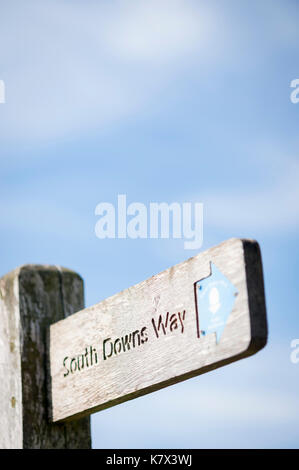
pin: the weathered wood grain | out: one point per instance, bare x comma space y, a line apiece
92, 366
31, 298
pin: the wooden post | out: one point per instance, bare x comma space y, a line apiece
31, 298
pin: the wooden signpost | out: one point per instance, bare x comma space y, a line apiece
58, 366
194, 317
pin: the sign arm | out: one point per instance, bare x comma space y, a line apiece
194, 317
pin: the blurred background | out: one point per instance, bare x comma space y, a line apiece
161, 100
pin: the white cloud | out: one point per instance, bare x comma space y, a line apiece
76, 68
269, 209
73, 68
268, 205
157, 31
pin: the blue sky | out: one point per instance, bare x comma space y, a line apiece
168, 101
